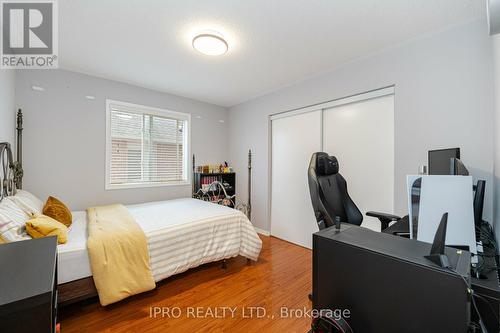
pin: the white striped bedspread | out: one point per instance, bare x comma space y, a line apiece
186, 233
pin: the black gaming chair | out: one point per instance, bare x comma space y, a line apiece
329, 196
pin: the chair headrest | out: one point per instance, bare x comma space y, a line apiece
326, 165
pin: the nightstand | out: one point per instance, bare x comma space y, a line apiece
28, 285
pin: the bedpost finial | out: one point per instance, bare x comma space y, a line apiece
19, 120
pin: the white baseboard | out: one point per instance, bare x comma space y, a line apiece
262, 231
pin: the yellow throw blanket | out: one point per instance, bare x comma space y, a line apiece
118, 252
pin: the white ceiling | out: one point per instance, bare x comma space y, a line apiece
272, 43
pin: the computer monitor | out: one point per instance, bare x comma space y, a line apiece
478, 207
457, 168
439, 160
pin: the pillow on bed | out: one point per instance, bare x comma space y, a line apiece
28, 202
12, 221
43, 226
58, 211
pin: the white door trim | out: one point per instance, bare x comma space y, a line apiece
336, 102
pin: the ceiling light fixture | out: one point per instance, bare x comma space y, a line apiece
210, 44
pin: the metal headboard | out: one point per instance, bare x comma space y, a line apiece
244, 207
11, 172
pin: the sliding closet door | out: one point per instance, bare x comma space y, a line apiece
361, 136
294, 139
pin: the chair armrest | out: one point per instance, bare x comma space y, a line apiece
383, 216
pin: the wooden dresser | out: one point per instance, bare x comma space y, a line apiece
28, 286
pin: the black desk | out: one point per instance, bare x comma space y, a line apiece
488, 288
28, 285
386, 283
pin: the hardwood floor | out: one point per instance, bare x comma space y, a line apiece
281, 278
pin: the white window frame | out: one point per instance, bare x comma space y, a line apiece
142, 109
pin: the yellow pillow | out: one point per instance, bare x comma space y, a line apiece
42, 226
58, 211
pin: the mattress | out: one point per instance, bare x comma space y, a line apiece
181, 234
72, 257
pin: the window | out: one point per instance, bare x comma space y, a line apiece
145, 146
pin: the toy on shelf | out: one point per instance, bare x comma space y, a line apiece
217, 184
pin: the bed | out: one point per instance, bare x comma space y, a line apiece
180, 234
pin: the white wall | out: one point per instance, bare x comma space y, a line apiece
444, 98
64, 136
496, 56
7, 106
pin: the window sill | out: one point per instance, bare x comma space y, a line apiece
131, 186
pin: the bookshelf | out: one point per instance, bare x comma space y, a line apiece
203, 180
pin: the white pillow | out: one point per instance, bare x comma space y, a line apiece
27, 202
12, 221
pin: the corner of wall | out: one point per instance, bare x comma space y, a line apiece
7, 105
496, 212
